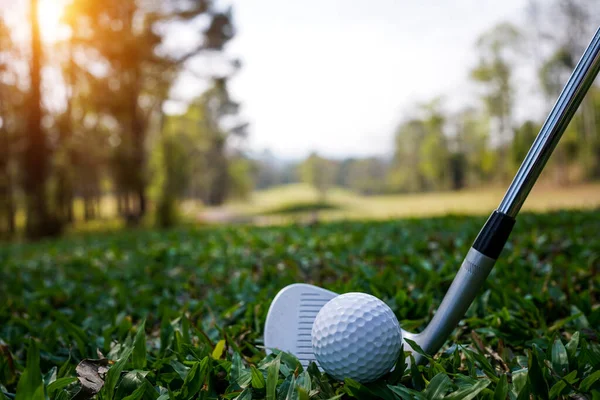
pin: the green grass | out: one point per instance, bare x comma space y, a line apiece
179, 314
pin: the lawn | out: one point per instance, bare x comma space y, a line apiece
179, 314
269, 206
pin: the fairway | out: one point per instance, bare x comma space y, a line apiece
204, 294
344, 204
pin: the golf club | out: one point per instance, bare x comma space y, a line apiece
294, 309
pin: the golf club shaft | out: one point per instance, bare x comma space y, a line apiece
491, 239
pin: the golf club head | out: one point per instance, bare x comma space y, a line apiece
290, 319
293, 311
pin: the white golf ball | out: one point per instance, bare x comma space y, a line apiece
356, 335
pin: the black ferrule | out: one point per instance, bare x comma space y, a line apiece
493, 236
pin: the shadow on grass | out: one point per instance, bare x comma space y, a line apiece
300, 208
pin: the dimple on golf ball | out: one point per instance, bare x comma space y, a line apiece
357, 336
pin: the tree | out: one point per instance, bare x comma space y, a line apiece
473, 160
8, 118
240, 171
494, 73
404, 176
553, 74
65, 155
126, 35
217, 106
318, 172
342, 177
434, 154
524, 137
576, 25
174, 175
196, 155
367, 176
266, 171
421, 159
40, 221
562, 31
594, 164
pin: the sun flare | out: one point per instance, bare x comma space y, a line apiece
50, 13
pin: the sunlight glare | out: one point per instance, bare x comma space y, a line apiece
50, 13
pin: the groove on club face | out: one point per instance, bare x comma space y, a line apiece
290, 319
310, 305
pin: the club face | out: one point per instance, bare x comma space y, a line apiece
290, 319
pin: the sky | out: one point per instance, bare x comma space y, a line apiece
337, 76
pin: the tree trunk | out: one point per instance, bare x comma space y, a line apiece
138, 142
97, 202
7, 207
219, 176
458, 171
66, 137
70, 214
36, 152
86, 208
562, 167
592, 162
142, 200
90, 204
119, 198
11, 216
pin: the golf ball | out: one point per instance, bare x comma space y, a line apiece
356, 335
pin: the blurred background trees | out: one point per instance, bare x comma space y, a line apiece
84, 132
113, 75
318, 172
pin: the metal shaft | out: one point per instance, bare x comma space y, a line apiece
567, 104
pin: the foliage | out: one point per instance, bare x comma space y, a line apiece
240, 171
179, 314
269, 171
495, 72
409, 138
366, 176
195, 157
172, 164
116, 70
318, 172
10, 113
